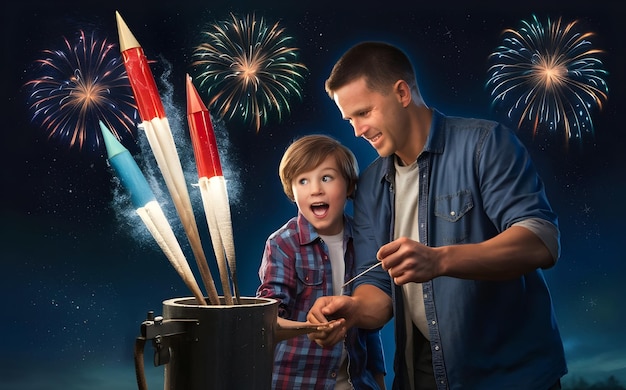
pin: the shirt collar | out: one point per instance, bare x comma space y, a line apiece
434, 144
307, 233
436, 136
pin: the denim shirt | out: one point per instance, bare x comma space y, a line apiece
476, 179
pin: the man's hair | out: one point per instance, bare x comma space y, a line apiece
381, 64
309, 151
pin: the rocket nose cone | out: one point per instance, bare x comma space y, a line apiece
194, 102
127, 39
113, 146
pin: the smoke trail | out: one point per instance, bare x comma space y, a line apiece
126, 214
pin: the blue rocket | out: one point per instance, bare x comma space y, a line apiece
127, 169
148, 208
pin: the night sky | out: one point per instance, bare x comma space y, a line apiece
81, 271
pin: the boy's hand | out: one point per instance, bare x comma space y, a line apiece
330, 307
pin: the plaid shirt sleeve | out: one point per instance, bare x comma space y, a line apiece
278, 273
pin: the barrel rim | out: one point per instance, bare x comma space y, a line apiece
244, 302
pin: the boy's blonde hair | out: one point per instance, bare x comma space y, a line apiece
309, 151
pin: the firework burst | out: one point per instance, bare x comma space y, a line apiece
549, 76
249, 69
75, 87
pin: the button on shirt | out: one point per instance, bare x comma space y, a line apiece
476, 180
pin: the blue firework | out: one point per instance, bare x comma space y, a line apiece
549, 76
75, 86
249, 69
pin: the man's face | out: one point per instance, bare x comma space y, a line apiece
373, 115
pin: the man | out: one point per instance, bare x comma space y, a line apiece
458, 217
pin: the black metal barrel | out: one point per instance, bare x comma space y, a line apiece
221, 347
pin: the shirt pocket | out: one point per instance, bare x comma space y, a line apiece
453, 207
451, 227
309, 278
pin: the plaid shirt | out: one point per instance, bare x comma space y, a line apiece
296, 270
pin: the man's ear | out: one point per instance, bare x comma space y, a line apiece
403, 92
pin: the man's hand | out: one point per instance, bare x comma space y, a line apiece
330, 308
368, 308
512, 253
409, 261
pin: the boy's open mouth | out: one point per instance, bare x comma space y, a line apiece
319, 209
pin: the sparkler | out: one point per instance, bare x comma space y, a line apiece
212, 188
148, 209
361, 274
158, 132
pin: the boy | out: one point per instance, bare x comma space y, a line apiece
312, 256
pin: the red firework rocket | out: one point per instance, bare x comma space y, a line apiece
212, 188
159, 134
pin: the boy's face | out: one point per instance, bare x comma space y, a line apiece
320, 195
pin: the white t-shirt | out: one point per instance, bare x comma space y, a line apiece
405, 225
407, 192
336, 252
